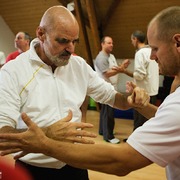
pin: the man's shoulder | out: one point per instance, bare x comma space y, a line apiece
143, 52
144, 49
101, 56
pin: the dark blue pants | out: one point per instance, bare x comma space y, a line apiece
107, 123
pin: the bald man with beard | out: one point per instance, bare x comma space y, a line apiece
46, 82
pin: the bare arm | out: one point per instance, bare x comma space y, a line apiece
119, 160
148, 111
117, 69
111, 72
123, 68
129, 73
138, 99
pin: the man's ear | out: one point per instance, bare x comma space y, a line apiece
176, 37
40, 33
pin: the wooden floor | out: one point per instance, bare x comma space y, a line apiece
123, 129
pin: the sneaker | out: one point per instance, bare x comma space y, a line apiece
114, 141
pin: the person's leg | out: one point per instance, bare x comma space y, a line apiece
110, 122
109, 126
104, 121
101, 119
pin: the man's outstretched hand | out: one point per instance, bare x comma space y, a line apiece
33, 140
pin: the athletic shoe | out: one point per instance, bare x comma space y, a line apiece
114, 141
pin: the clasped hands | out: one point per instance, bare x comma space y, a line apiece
137, 98
122, 67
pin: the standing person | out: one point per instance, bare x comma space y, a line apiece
51, 82
104, 63
22, 44
146, 72
157, 141
2, 58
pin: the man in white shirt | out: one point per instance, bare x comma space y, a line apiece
146, 72
46, 82
156, 141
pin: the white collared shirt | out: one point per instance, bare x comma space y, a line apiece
29, 85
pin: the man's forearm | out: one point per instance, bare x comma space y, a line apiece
121, 101
129, 73
94, 157
148, 111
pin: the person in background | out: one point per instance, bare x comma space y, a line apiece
104, 62
2, 58
22, 44
146, 72
48, 83
156, 141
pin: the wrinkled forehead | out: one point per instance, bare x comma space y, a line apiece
64, 27
67, 31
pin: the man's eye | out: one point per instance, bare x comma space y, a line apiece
63, 41
154, 49
66, 41
75, 41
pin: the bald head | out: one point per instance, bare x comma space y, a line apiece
58, 33
166, 23
58, 17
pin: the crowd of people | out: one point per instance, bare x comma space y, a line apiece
40, 111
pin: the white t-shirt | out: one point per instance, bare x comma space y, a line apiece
146, 71
29, 85
159, 138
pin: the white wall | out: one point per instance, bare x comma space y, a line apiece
6, 38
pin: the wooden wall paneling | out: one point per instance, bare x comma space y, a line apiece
93, 25
118, 20
109, 14
81, 21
